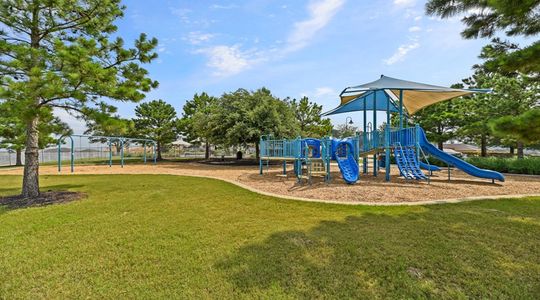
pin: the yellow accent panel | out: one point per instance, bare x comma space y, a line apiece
414, 100
346, 99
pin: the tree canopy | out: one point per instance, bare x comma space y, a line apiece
64, 54
308, 115
156, 120
195, 120
485, 18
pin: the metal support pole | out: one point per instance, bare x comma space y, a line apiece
365, 160
387, 142
144, 153
122, 152
284, 167
72, 154
375, 135
59, 155
154, 151
110, 152
400, 109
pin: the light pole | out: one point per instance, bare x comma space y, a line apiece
349, 123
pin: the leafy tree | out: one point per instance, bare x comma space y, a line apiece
524, 127
439, 120
344, 130
512, 96
243, 116
105, 125
61, 54
308, 115
194, 122
13, 130
156, 120
486, 18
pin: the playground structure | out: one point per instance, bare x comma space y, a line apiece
100, 148
373, 147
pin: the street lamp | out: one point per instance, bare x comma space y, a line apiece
350, 122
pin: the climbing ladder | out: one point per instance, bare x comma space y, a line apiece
407, 162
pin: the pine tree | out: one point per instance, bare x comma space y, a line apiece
62, 54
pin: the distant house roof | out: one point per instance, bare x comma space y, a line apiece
181, 143
462, 147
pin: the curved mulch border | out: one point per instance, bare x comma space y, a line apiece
403, 203
44, 198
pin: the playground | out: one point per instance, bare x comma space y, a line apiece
370, 190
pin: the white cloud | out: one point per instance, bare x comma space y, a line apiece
220, 6
78, 126
229, 60
324, 91
401, 52
414, 29
404, 2
418, 18
320, 14
183, 14
197, 37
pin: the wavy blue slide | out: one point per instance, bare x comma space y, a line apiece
347, 165
456, 162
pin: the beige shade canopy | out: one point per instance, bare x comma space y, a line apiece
415, 95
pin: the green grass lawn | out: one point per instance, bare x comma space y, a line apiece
159, 236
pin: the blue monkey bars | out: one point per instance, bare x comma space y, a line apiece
108, 140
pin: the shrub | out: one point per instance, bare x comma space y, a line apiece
529, 165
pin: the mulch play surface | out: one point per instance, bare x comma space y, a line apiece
45, 198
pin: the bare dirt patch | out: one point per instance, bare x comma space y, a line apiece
45, 198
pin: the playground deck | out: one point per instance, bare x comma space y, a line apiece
369, 189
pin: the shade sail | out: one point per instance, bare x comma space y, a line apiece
415, 95
356, 103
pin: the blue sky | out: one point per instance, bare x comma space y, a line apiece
314, 47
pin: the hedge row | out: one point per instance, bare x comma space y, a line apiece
529, 165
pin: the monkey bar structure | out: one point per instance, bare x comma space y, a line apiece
104, 148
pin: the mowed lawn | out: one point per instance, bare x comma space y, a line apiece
160, 236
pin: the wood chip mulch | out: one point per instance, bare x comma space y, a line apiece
45, 198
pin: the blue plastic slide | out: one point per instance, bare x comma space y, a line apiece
456, 162
346, 162
432, 168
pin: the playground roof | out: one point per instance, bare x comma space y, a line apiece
357, 103
415, 95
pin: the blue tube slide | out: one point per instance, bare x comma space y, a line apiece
346, 162
454, 161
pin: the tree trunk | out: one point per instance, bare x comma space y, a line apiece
257, 155
512, 150
18, 159
159, 151
483, 146
207, 150
440, 145
30, 187
520, 150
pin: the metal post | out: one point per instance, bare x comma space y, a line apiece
59, 155
387, 142
110, 152
154, 152
365, 160
284, 167
122, 152
144, 153
374, 133
400, 109
72, 155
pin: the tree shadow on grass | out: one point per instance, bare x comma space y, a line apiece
442, 252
